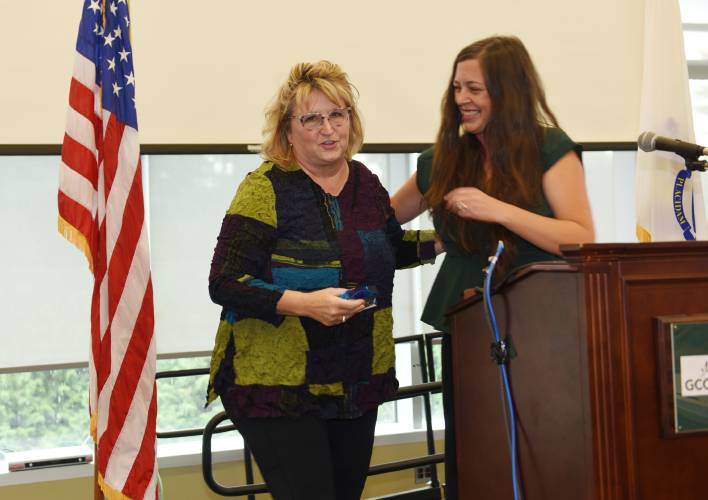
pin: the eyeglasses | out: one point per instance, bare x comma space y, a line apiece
315, 121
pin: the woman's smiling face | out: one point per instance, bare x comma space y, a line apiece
324, 146
471, 96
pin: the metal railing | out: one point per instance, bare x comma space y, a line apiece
425, 389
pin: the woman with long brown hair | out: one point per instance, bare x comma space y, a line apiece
500, 169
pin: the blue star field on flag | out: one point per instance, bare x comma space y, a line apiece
104, 37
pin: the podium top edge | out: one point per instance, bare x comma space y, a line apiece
471, 295
631, 251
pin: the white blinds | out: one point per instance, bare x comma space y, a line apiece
45, 290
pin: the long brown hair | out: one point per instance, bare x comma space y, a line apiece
513, 138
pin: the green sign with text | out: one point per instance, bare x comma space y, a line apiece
689, 348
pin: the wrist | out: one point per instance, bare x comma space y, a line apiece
291, 303
505, 214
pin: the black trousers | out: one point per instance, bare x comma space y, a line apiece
310, 458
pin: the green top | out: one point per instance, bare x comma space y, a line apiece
461, 270
283, 232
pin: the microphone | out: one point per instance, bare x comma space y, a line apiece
649, 141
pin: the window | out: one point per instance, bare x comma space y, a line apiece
694, 14
43, 401
43, 392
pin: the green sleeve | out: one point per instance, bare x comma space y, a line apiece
425, 169
555, 145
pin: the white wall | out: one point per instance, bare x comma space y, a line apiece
205, 70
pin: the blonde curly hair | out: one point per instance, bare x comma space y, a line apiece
304, 78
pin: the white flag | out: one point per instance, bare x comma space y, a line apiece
662, 213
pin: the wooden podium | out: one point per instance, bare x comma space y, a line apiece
586, 379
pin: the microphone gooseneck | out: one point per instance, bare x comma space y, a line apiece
649, 141
502, 352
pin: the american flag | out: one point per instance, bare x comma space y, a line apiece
101, 211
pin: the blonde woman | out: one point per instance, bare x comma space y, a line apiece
301, 370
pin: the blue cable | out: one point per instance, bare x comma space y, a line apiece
489, 271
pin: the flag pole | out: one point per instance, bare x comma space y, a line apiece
97, 493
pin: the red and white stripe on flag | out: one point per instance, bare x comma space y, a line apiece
101, 211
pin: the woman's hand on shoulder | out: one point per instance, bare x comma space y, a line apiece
325, 306
473, 203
